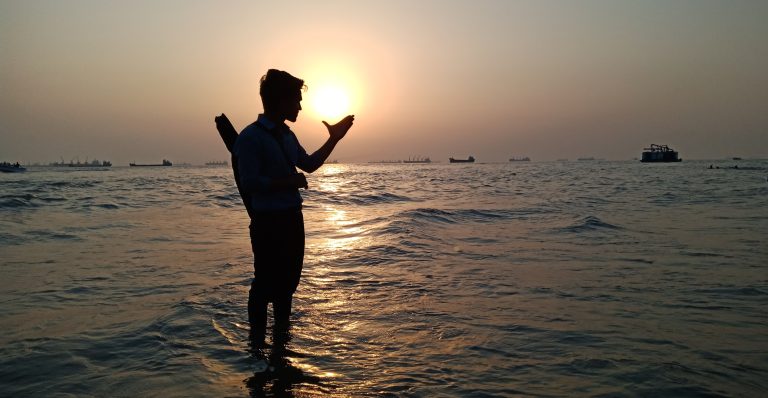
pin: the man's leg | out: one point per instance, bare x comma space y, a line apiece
282, 308
258, 296
257, 314
292, 248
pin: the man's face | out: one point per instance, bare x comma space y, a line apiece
292, 108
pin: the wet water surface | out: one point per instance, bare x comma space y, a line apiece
543, 279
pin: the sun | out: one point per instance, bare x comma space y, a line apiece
329, 102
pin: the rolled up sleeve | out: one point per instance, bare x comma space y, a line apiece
304, 161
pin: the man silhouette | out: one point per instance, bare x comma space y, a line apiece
265, 157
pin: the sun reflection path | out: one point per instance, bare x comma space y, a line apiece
349, 233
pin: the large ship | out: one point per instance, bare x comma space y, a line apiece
92, 163
417, 159
467, 160
165, 163
659, 153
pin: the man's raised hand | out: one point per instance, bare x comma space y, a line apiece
339, 130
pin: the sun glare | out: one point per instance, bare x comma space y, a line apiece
329, 102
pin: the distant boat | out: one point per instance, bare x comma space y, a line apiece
736, 158
523, 159
659, 154
586, 159
6, 167
165, 163
217, 163
467, 160
417, 159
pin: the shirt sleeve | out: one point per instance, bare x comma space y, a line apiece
249, 165
303, 160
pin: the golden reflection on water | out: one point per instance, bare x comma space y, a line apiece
332, 184
332, 169
347, 232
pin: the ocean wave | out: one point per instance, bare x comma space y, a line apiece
17, 201
53, 235
71, 184
588, 224
442, 216
359, 199
109, 206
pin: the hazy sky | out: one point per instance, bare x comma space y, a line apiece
142, 80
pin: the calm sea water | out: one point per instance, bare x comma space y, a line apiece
542, 279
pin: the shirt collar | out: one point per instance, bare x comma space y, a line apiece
270, 125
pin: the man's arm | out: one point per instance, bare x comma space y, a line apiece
335, 133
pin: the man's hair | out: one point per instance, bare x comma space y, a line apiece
277, 85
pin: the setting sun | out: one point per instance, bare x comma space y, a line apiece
329, 102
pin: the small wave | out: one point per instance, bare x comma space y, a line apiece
367, 200
588, 224
734, 291
109, 206
429, 215
72, 184
464, 215
42, 234
17, 201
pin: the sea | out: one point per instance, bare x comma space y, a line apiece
544, 279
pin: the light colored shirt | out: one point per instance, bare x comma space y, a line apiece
260, 160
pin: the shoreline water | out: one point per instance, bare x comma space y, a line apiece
580, 278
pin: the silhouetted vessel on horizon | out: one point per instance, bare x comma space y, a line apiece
523, 159
659, 154
467, 160
417, 159
217, 163
165, 163
92, 163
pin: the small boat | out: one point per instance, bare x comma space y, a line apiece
6, 167
659, 154
217, 163
523, 159
467, 160
586, 159
165, 163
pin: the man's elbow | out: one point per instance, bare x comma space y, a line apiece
310, 168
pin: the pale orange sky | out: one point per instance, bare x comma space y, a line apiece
142, 80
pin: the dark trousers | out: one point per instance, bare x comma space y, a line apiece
277, 240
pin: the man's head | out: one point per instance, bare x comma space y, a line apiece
281, 94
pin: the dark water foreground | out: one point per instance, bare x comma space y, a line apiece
541, 279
